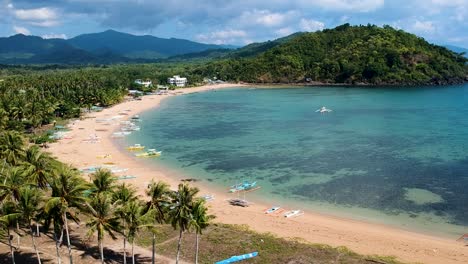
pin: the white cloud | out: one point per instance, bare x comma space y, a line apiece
284, 31
52, 35
43, 13
423, 26
311, 25
347, 5
265, 18
222, 36
46, 23
21, 30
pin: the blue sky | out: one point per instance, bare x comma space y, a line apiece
235, 22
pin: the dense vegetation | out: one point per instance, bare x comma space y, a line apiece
347, 54
32, 96
36, 190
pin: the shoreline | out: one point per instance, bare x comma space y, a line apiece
359, 236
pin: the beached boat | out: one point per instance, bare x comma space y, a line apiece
323, 110
293, 213
239, 202
149, 153
135, 118
136, 147
273, 209
238, 258
244, 186
208, 197
121, 134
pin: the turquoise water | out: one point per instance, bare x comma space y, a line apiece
390, 155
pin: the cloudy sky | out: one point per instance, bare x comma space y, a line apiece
232, 21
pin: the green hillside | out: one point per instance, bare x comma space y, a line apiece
347, 54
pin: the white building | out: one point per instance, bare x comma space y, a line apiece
177, 81
146, 83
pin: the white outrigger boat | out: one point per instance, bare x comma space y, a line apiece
149, 153
293, 213
323, 109
272, 210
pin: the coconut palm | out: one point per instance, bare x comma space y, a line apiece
200, 220
37, 166
14, 179
11, 147
180, 214
136, 220
67, 197
102, 181
158, 193
102, 219
122, 196
8, 217
28, 206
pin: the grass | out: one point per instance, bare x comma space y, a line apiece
220, 241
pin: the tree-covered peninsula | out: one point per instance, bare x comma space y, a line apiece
347, 54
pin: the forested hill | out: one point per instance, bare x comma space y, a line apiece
347, 54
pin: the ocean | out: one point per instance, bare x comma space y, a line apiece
391, 155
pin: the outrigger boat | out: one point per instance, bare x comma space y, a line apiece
244, 186
323, 110
149, 153
135, 118
136, 147
293, 213
272, 210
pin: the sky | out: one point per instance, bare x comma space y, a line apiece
236, 22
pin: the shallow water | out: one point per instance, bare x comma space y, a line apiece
391, 155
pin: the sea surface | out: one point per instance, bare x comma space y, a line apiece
397, 156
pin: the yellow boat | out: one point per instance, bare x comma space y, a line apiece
136, 147
149, 153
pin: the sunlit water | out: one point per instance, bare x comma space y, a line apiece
390, 155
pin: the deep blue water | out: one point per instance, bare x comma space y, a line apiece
392, 155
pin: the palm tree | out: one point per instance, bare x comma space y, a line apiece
102, 181
11, 147
13, 181
37, 166
136, 220
180, 214
158, 193
67, 196
8, 217
28, 206
122, 196
102, 219
200, 220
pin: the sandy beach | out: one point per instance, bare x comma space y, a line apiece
362, 237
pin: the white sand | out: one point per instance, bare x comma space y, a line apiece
362, 237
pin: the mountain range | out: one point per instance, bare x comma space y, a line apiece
106, 47
116, 47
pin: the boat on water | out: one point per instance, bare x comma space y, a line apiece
135, 118
136, 147
323, 109
149, 153
244, 186
293, 213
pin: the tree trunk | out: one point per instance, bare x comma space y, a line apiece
154, 249
125, 242
17, 234
101, 251
68, 237
58, 242
37, 230
178, 246
196, 246
133, 254
34, 244
12, 252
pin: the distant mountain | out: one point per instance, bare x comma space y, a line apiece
97, 48
249, 50
457, 49
142, 47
